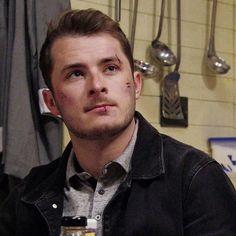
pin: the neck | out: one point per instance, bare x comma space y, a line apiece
93, 155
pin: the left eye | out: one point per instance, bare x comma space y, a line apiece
111, 68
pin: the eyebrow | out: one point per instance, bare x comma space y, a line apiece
101, 62
111, 59
71, 66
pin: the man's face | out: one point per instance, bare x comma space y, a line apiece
93, 87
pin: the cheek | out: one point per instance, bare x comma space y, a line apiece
62, 96
64, 100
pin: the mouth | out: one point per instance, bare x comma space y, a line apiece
99, 108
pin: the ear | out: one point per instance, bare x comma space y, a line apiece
137, 83
50, 102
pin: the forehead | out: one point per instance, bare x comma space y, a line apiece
86, 47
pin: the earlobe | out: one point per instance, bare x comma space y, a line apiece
137, 83
50, 102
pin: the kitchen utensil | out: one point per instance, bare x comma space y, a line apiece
171, 105
215, 63
147, 69
159, 50
117, 10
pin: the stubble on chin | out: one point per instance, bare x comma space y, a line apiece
102, 132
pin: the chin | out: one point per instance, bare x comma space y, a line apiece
101, 131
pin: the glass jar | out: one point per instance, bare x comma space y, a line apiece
74, 226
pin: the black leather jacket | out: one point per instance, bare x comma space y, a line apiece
172, 190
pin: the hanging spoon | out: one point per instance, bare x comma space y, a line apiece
147, 70
215, 63
160, 51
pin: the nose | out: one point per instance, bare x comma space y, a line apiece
97, 85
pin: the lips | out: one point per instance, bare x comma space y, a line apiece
98, 108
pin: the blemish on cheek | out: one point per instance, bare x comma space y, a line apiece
128, 84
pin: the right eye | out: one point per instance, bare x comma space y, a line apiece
76, 74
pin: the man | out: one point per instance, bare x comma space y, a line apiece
117, 169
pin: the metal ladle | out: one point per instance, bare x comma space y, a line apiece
215, 63
117, 10
160, 51
147, 70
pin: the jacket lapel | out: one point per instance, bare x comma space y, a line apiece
147, 160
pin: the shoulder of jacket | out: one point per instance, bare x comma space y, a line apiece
40, 173
183, 157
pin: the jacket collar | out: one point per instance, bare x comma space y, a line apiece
147, 160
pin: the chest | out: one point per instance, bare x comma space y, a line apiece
144, 209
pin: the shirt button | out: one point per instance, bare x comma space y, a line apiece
98, 217
101, 191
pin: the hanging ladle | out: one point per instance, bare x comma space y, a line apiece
215, 63
117, 10
147, 69
160, 51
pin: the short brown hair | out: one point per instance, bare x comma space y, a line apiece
80, 22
